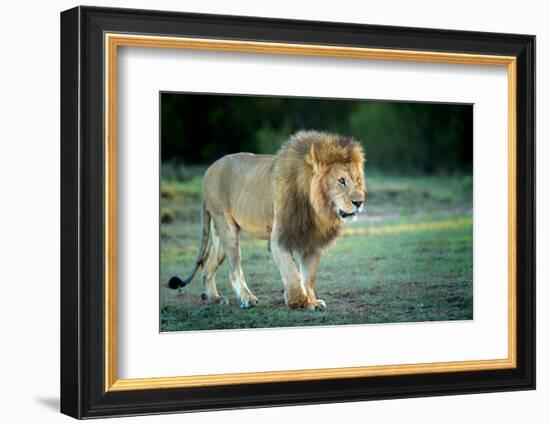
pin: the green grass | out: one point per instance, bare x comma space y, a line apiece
408, 259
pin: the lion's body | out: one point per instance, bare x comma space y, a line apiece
238, 186
298, 200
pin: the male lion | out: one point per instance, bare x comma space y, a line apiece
298, 199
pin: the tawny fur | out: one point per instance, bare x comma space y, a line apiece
295, 199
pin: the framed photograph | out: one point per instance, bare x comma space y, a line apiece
261, 212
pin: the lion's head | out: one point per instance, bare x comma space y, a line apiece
319, 185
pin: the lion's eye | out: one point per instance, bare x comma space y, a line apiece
342, 181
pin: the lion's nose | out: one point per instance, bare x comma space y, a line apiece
357, 203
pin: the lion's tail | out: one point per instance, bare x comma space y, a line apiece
175, 282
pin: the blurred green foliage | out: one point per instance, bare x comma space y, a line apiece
402, 137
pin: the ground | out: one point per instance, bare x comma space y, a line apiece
408, 258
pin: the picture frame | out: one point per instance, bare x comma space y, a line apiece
90, 39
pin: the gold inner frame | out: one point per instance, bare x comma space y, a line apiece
113, 41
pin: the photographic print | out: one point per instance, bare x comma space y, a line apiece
288, 211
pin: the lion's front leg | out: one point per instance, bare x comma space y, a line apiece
295, 293
309, 263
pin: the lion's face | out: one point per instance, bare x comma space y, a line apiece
343, 186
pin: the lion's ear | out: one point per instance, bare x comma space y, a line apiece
311, 159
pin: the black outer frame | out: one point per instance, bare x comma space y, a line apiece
82, 212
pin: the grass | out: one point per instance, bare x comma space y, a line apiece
407, 259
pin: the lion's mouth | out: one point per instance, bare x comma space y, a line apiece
344, 215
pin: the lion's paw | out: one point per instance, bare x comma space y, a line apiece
317, 304
220, 300
214, 299
295, 298
248, 300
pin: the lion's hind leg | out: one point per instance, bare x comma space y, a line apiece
229, 237
213, 260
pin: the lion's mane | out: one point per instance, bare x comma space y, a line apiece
303, 212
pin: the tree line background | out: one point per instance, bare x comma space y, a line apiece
398, 137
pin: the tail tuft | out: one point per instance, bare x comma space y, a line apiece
176, 283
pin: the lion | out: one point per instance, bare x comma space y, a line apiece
298, 200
